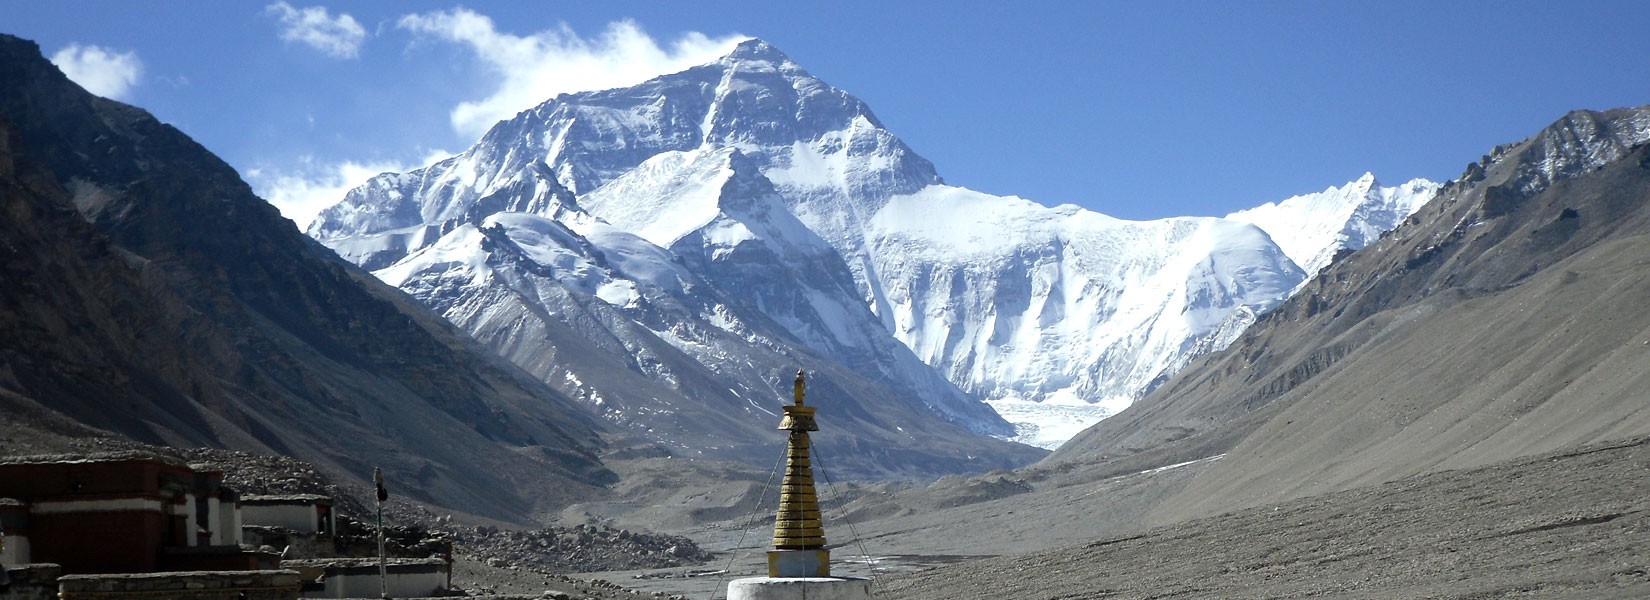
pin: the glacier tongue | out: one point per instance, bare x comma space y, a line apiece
1050, 424
708, 226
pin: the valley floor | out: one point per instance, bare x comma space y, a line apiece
1572, 524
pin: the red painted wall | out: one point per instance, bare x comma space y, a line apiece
110, 542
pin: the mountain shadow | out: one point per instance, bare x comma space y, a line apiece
148, 292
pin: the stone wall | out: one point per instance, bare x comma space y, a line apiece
32, 582
358, 577
293, 545
188, 585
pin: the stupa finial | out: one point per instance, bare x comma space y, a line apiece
799, 386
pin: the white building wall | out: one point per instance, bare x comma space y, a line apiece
229, 523
214, 521
300, 518
401, 585
17, 551
113, 505
187, 509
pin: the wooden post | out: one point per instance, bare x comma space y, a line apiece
383, 576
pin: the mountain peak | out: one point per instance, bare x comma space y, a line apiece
13, 41
755, 49
1313, 228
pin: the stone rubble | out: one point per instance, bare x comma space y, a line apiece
581, 548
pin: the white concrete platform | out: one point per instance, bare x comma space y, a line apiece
799, 588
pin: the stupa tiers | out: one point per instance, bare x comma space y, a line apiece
799, 566
798, 532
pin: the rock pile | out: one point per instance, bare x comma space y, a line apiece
582, 548
261, 474
400, 541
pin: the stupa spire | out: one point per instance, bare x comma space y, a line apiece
798, 531
799, 566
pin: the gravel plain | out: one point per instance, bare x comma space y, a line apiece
1569, 524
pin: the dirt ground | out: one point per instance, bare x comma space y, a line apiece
480, 580
1573, 524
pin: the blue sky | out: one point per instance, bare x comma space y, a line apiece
1135, 109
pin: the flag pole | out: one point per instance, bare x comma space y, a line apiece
383, 579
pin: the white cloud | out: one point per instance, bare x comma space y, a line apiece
339, 37
302, 193
100, 70
537, 67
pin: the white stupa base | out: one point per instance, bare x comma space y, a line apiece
798, 588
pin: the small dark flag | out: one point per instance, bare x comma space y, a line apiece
378, 480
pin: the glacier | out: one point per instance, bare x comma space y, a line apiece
705, 227
1313, 228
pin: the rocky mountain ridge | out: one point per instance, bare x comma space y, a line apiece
150, 294
1502, 320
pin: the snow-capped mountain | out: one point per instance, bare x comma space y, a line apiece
1040, 310
1313, 228
679, 317
788, 217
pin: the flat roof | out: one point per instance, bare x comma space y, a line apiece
286, 499
93, 458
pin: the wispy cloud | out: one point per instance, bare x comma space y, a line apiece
100, 70
536, 67
303, 192
313, 26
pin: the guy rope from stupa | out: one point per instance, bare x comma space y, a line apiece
798, 532
799, 566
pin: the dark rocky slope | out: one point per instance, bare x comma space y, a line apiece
149, 293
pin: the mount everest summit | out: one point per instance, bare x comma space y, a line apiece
711, 229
